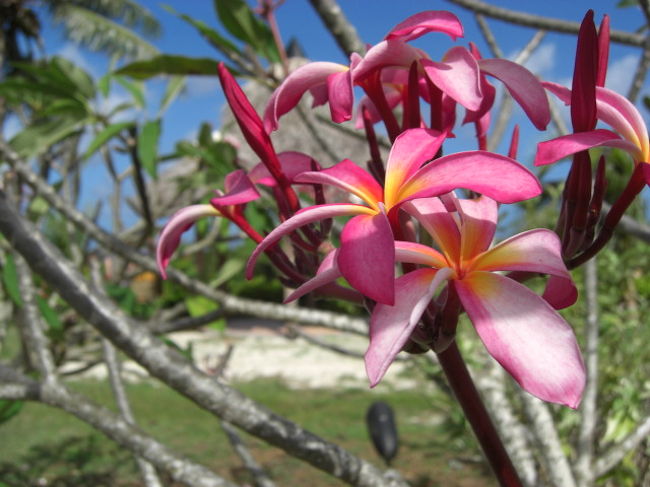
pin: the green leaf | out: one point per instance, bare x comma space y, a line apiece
37, 138
627, 3
228, 270
238, 18
10, 280
104, 84
104, 136
174, 87
8, 409
170, 65
200, 305
148, 146
51, 317
136, 90
211, 35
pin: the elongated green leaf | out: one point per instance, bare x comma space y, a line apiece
104, 84
148, 146
10, 280
51, 317
168, 64
38, 137
228, 270
211, 35
174, 87
104, 136
136, 90
200, 305
238, 18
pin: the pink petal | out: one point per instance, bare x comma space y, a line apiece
179, 223
239, 190
457, 76
409, 152
393, 98
367, 256
424, 22
292, 164
478, 224
526, 336
339, 89
499, 177
391, 326
416, 253
328, 271
386, 54
553, 150
303, 217
523, 86
439, 223
288, 94
349, 177
536, 250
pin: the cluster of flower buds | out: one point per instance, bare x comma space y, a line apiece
401, 205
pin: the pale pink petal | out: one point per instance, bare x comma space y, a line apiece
303, 217
458, 76
479, 222
499, 177
349, 177
179, 223
439, 223
523, 86
288, 94
341, 98
553, 150
292, 164
386, 54
393, 98
367, 256
424, 22
409, 152
391, 326
239, 190
538, 250
416, 253
328, 271
526, 336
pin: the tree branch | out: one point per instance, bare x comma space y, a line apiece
614, 455
172, 368
335, 21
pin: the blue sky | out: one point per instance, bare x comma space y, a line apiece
373, 18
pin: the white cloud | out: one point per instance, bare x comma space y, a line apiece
542, 60
620, 73
202, 85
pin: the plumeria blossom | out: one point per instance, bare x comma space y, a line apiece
367, 253
616, 111
520, 329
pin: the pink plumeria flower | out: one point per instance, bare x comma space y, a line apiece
520, 329
367, 254
616, 111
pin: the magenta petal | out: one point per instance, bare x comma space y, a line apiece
523, 86
288, 94
303, 217
499, 177
424, 22
526, 336
349, 177
292, 164
367, 257
458, 76
479, 222
341, 98
179, 223
439, 223
239, 190
391, 326
646, 172
385, 54
553, 150
328, 271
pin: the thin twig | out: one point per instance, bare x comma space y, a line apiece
589, 418
614, 455
640, 73
541, 22
488, 35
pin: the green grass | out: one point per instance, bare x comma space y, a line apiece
43, 442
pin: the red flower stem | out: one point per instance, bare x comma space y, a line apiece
633, 188
375, 92
461, 383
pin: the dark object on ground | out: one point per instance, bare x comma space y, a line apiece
383, 430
